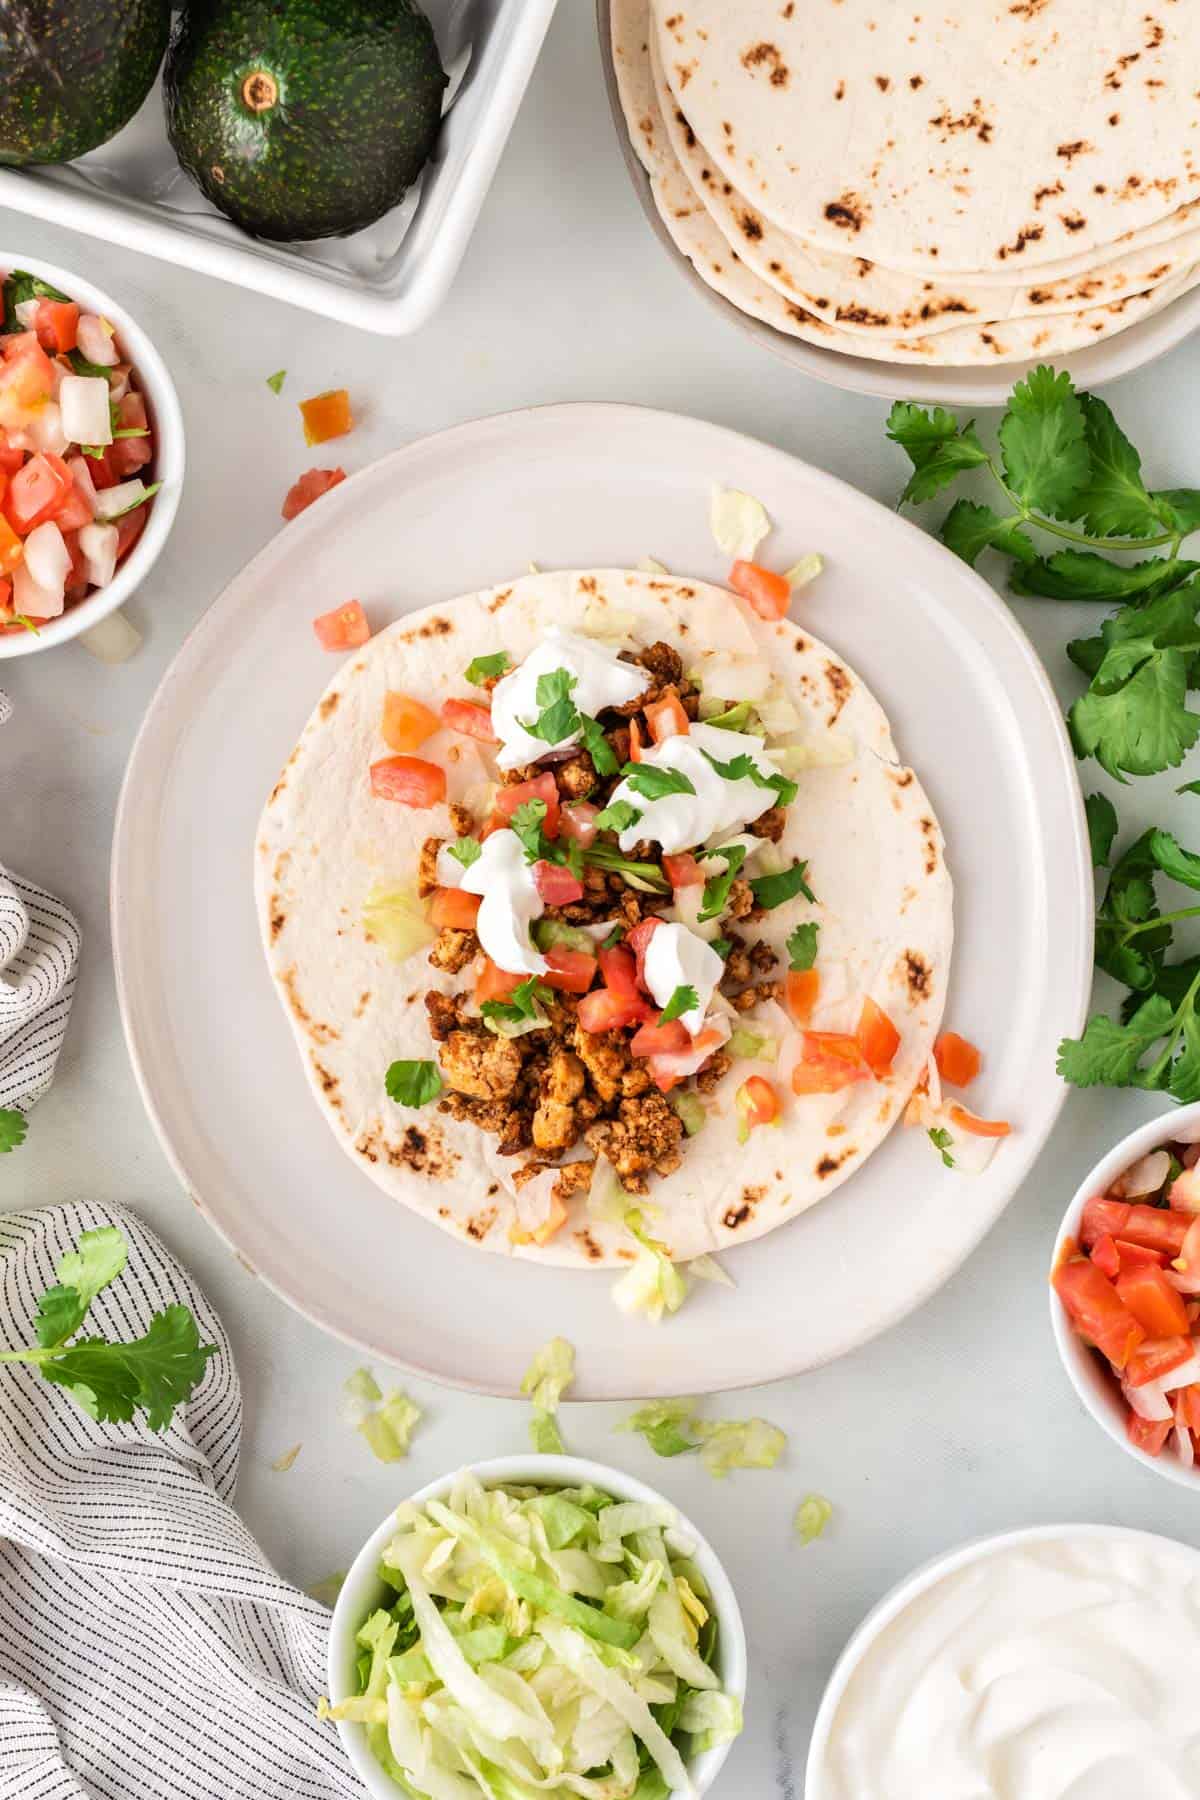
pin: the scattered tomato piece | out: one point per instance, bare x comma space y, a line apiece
493, 982
1155, 1358
129, 529
619, 970
637, 939
454, 907
666, 718
1136, 1256
406, 723
326, 416
470, 718
1107, 1257
757, 1102
877, 1037
37, 492
764, 592
1147, 1434
1187, 1407
1095, 1309
1153, 1227
409, 780
345, 628
57, 325
635, 741
557, 885
682, 870
579, 822
543, 787
311, 485
652, 1039
957, 1059
829, 1061
11, 547
604, 1010
802, 990
1151, 1299
570, 971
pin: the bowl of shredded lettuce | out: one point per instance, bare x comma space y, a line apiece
536, 1628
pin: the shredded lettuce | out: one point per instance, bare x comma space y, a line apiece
394, 918
546, 1380
707, 1268
804, 571
359, 1394
758, 1045
738, 521
665, 1425
691, 1110
711, 1718
388, 1430
739, 1444
548, 934
652, 1285
812, 1515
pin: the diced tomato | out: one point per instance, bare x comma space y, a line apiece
345, 628
454, 907
1187, 1263
406, 723
829, 1061
129, 529
579, 822
638, 938
26, 380
757, 1101
1154, 1227
1151, 1299
1156, 1358
802, 990
1097, 1311
75, 512
877, 1037
36, 492
571, 971
11, 547
127, 455
604, 1010
666, 718
102, 469
1136, 1256
653, 1039
966, 1120
311, 485
131, 412
1187, 1407
682, 870
5, 597
619, 969
493, 982
1183, 1195
544, 787
470, 718
764, 592
957, 1059
556, 884
326, 416
10, 458
77, 577
57, 325
635, 741
408, 780
1147, 1434
1107, 1257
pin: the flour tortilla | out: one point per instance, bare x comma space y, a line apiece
863, 298
696, 236
876, 863
964, 135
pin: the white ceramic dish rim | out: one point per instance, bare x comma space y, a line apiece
927, 1575
1075, 867
361, 1586
1091, 367
1094, 1387
170, 457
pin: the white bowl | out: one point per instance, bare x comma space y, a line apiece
911, 1588
1089, 1376
166, 421
362, 1591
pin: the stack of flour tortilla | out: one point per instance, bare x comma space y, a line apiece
965, 182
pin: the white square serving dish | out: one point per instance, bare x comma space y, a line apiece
388, 278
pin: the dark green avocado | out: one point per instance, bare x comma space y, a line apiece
303, 118
72, 72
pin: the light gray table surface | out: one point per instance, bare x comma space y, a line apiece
957, 1423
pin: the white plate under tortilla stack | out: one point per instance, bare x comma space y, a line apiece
923, 205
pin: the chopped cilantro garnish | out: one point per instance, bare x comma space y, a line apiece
684, 999
521, 1004
722, 946
941, 1140
617, 817
12, 1128
772, 890
802, 945
526, 823
614, 937
559, 716
413, 1083
597, 745
275, 382
467, 850
654, 783
716, 888
483, 668
744, 768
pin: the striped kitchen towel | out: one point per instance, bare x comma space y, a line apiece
39, 951
148, 1650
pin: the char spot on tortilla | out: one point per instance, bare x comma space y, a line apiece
1028, 9
839, 92
591, 1248
751, 227
443, 1212
278, 918
587, 584
481, 1224
1047, 193
437, 627
1028, 234
319, 1033
917, 974
499, 600
329, 705
421, 1148
862, 315
364, 1000
769, 57
328, 1082
883, 83
835, 1131
929, 832
848, 212
973, 120
1154, 33
1114, 118
839, 686
829, 1165
493, 1188
903, 778
281, 863
737, 1215
1072, 221
1078, 147
686, 129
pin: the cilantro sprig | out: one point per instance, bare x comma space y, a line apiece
483, 668
413, 1082
559, 718
684, 999
654, 782
744, 768
152, 1374
715, 897
802, 946
1065, 470
13, 1129
523, 1003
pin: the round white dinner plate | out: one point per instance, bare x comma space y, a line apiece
1116, 355
584, 486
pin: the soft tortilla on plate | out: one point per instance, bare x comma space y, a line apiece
966, 135
324, 845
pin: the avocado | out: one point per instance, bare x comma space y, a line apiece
303, 118
72, 72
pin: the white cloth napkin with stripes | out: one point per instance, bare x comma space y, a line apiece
148, 1651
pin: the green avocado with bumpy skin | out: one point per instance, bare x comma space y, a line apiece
72, 72
303, 118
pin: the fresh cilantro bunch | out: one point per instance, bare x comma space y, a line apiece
1065, 470
1156, 1041
154, 1374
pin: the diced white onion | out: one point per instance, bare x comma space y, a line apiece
47, 558
118, 380
45, 430
98, 544
1145, 1176
119, 499
1184, 1195
26, 311
83, 400
95, 341
732, 676
34, 601
81, 475
1184, 1376
1148, 1401
111, 640
1181, 1438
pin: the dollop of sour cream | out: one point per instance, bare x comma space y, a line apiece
510, 905
681, 821
601, 679
1062, 1669
675, 957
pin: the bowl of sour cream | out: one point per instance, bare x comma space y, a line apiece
1054, 1663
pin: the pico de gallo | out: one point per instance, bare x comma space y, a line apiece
1130, 1288
76, 453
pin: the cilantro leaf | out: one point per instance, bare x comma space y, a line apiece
413, 1083
647, 875
466, 850
744, 768
617, 817
968, 529
1110, 1054
938, 450
81, 366
941, 1140
1175, 862
802, 945
526, 824
521, 1004
1114, 501
559, 716
773, 890
482, 668
275, 382
603, 756
1141, 726
1128, 946
722, 946
1102, 827
716, 889
13, 1129
97, 1259
1180, 508
654, 783
157, 1372
1184, 1081
1043, 443
20, 286
1082, 575
684, 999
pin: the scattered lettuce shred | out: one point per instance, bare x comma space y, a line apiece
804, 571
546, 1380
674, 1428
283, 1463
652, 1284
386, 1424
535, 1644
812, 1515
394, 918
327, 1588
665, 1426
738, 521
275, 382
